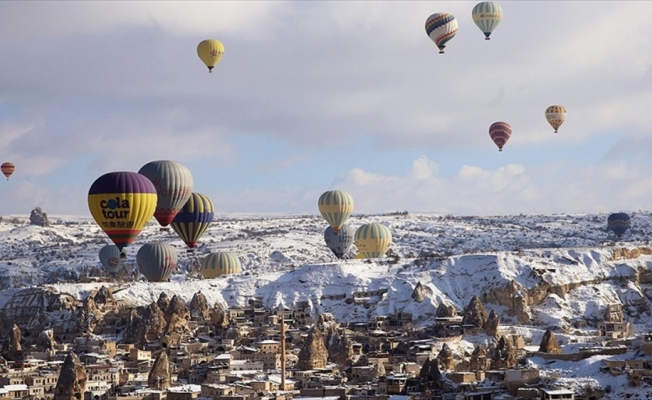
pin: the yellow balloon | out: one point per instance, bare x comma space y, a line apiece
336, 206
373, 240
220, 263
210, 51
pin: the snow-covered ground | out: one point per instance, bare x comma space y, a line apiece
285, 260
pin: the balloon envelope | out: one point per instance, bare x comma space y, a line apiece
220, 263
500, 133
210, 51
336, 206
156, 261
7, 169
373, 240
440, 28
339, 242
193, 219
121, 203
110, 256
173, 183
487, 15
556, 115
618, 223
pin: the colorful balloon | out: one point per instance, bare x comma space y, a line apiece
220, 263
121, 203
110, 256
173, 183
441, 27
500, 133
487, 15
618, 223
556, 115
156, 261
373, 240
7, 169
210, 51
339, 242
336, 206
193, 219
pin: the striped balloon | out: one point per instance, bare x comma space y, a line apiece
173, 183
7, 169
618, 223
441, 27
336, 206
373, 240
500, 133
339, 242
156, 261
220, 263
556, 115
487, 15
110, 257
122, 203
193, 219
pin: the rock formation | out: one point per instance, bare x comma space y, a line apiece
199, 307
38, 217
177, 307
163, 301
15, 352
474, 313
159, 376
478, 359
446, 311
504, 355
219, 318
71, 384
89, 316
445, 358
491, 326
613, 313
313, 353
45, 341
421, 292
340, 349
549, 343
430, 376
153, 322
104, 296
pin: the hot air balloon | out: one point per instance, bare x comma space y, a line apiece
121, 203
441, 27
336, 206
173, 183
7, 169
618, 223
500, 133
193, 219
373, 240
210, 51
156, 261
556, 115
487, 15
110, 256
339, 242
220, 263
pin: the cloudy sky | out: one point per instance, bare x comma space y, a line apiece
313, 96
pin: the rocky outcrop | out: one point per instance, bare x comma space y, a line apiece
177, 307
549, 343
38, 217
159, 376
199, 307
153, 322
430, 376
163, 301
504, 355
89, 317
71, 384
219, 318
491, 326
104, 296
421, 292
478, 360
15, 352
614, 313
445, 358
313, 353
445, 310
475, 313
340, 349
45, 341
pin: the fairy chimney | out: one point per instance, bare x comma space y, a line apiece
159, 375
474, 313
446, 359
491, 327
71, 384
313, 353
549, 343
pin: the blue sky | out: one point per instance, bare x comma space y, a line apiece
313, 96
